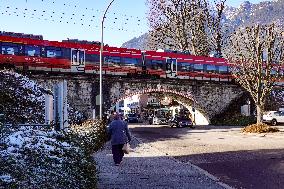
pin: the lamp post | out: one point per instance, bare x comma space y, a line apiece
101, 58
248, 101
193, 110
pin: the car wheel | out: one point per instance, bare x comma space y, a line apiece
274, 122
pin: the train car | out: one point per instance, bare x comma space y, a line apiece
185, 66
71, 56
30, 52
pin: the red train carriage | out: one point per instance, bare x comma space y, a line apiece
72, 56
185, 66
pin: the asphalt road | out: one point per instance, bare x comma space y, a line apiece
241, 161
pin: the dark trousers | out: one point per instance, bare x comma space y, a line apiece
117, 153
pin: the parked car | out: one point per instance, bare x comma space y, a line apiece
132, 118
181, 122
159, 121
273, 117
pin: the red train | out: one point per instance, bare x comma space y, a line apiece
31, 52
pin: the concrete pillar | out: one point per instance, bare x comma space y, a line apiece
48, 108
117, 107
60, 105
94, 113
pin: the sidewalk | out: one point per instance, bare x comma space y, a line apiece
147, 167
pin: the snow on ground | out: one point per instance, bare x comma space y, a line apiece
6, 178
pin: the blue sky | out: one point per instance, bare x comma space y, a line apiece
62, 19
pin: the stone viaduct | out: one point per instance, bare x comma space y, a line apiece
208, 97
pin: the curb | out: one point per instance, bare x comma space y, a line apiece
212, 177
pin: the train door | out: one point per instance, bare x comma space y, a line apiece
77, 60
171, 68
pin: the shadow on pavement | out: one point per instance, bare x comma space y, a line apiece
153, 133
159, 133
146, 168
261, 169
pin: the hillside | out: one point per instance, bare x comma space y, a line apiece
246, 14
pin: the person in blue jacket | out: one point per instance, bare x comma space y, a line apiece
119, 134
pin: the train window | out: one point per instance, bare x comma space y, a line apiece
186, 67
157, 64
198, 67
9, 48
223, 69
66, 53
113, 59
169, 64
32, 50
210, 68
92, 58
132, 61
52, 52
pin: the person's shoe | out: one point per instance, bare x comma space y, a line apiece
117, 164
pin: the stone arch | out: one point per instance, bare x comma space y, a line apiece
186, 99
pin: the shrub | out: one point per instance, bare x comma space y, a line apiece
259, 128
90, 135
42, 158
21, 99
235, 120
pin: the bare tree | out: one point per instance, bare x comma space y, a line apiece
215, 26
186, 25
178, 24
257, 54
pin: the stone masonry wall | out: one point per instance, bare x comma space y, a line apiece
211, 98
79, 95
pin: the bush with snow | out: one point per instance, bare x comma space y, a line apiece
91, 135
21, 99
36, 157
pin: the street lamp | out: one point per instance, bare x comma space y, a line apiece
101, 58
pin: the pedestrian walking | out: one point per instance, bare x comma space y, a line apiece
120, 135
110, 117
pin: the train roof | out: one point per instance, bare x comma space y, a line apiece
69, 43
21, 35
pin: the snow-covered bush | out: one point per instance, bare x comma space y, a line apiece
37, 157
90, 135
21, 99
75, 117
34, 157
